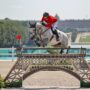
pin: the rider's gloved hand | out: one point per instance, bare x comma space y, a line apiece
43, 23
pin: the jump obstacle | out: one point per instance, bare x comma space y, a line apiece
27, 64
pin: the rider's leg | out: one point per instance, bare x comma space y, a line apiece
56, 33
54, 29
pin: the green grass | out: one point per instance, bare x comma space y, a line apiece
85, 39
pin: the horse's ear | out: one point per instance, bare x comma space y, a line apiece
32, 25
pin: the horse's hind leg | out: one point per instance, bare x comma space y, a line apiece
61, 51
68, 50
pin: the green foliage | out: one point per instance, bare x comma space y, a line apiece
9, 30
16, 84
2, 83
85, 84
85, 38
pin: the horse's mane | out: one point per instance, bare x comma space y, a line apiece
38, 24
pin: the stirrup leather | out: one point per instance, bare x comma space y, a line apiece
51, 37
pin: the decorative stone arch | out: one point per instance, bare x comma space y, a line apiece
52, 68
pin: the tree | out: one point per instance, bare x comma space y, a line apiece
8, 32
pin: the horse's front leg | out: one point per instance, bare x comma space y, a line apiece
37, 43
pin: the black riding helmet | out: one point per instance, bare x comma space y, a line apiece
45, 14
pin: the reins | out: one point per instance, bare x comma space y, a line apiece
40, 36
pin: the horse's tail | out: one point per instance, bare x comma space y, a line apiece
69, 38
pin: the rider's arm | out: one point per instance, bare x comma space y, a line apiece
49, 24
51, 21
43, 22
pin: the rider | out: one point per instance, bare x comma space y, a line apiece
50, 22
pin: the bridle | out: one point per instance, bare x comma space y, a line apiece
38, 35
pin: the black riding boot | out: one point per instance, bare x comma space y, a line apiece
57, 36
56, 33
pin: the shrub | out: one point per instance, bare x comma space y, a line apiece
85, 84
17, 83
2, 83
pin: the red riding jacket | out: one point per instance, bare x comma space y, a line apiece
50, 21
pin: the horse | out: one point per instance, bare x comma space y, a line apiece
44, 37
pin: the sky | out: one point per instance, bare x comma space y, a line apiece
34, 9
